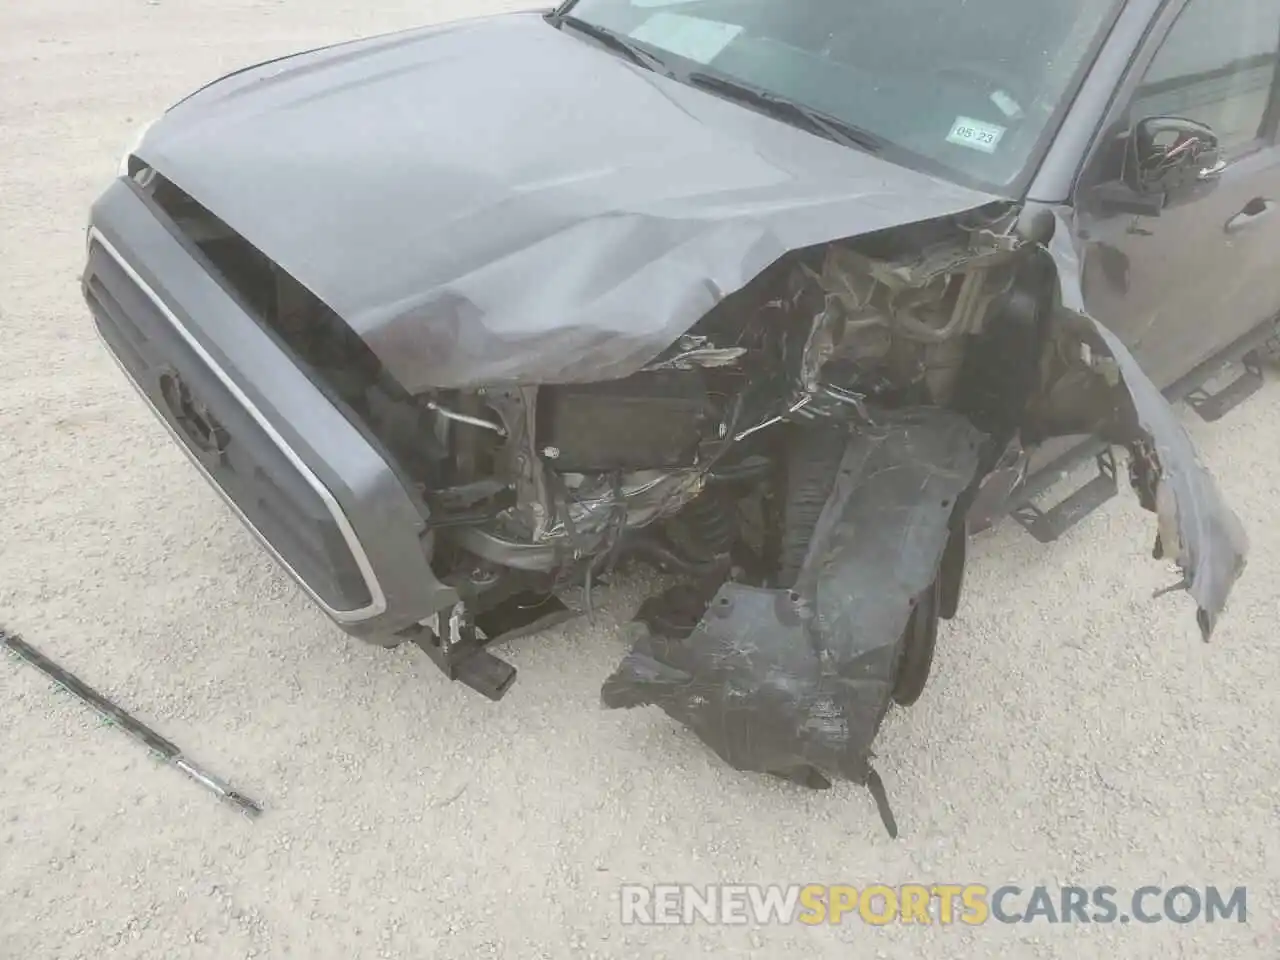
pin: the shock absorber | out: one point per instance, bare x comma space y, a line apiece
710, 523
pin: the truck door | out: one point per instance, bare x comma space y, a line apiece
1180, 283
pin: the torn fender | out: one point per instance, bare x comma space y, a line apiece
796, 683
1093, 384
789, 682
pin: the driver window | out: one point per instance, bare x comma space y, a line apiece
1217, 65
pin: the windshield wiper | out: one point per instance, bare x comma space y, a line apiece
833, 128
616, 42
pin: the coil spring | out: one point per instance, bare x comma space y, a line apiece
712, 527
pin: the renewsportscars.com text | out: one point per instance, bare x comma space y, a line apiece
916, 903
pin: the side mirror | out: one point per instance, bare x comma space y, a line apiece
1170, 155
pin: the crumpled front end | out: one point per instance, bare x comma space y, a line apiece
592, 344
795, 682
930, 356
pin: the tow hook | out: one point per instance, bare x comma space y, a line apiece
457, 649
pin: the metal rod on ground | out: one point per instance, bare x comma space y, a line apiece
126, 722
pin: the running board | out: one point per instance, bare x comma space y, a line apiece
1211, 407
1048, 525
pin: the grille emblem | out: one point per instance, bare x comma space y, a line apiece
207, 435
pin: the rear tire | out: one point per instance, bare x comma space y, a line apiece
810, 469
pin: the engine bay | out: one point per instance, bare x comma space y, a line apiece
571, 471
539, 490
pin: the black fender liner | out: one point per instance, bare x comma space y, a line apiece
789, 681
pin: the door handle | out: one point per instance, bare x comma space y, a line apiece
1253, 211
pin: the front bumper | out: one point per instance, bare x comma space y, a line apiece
314, 488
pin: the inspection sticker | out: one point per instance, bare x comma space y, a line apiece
976, 135
691, 37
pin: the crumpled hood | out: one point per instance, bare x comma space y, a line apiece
496, 200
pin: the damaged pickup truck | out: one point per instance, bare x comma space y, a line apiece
786, 299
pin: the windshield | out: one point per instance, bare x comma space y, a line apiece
967, 87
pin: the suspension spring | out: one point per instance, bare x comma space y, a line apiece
711, 524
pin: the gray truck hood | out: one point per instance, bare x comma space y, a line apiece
496, 200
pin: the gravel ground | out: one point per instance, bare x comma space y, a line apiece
1076, 730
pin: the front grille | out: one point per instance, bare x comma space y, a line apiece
275, 494
318, 341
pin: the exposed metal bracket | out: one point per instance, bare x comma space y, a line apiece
457, 649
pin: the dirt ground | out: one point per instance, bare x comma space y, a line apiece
1076, 731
